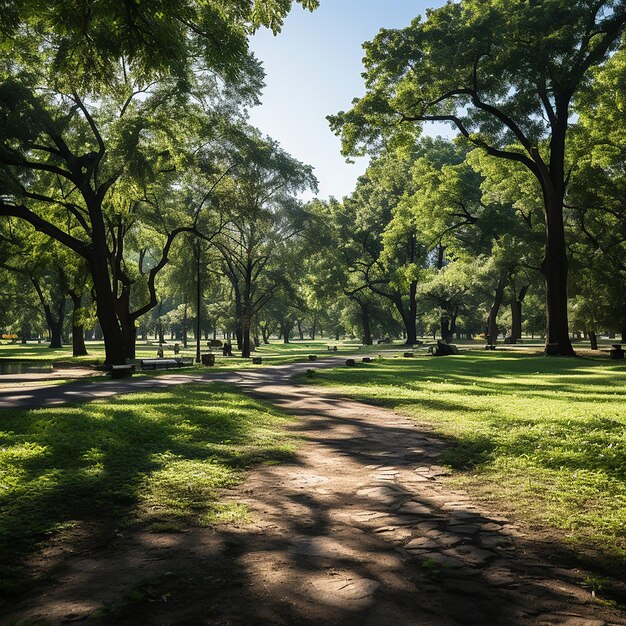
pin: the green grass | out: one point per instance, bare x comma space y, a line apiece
544, 438
155, 459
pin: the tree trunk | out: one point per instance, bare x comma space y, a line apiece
445, 326
265, 333
78, 337
365, 320
411, 324
55, 325
408, 319
313, 328
245, 341
56, 328
127, 323
185, 320
593, 339
555, 265
105, 302
129, 335
285, 330
300, 330
238, 320
492, 325
516, 314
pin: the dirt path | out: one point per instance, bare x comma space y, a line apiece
360, 529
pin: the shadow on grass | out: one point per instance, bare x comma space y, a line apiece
157, 457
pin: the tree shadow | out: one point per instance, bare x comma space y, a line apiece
98, 463
340, 552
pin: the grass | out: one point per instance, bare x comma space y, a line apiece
155, 459
542, 437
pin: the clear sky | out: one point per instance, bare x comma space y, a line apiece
314, 69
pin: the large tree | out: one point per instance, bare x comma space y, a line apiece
504, 74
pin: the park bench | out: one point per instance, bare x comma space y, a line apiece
154, 364
617, 352
121, 371
332, 348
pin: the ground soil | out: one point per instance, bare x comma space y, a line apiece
361, 528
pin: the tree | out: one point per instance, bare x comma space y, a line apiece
264, 215
504, 74
382, 254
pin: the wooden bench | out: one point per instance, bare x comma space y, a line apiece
155, 364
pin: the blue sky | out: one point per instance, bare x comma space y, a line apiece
314, 69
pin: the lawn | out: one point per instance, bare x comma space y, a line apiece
155, 459
542, 438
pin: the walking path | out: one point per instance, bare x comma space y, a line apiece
358, 529
27, 391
